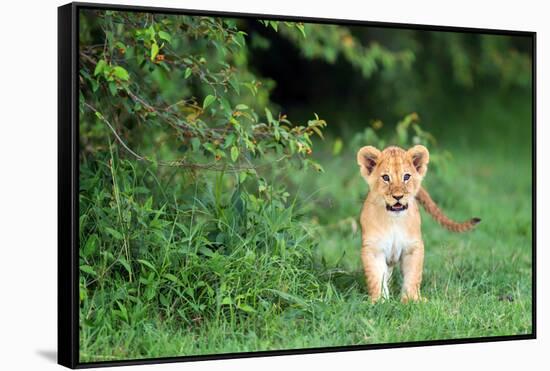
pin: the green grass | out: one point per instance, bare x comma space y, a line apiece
170, 267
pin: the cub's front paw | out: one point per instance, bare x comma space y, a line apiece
413, 299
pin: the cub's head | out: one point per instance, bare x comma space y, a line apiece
394, 175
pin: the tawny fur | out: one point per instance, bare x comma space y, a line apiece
431, 208
390, 218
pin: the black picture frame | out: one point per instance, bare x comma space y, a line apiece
68, 185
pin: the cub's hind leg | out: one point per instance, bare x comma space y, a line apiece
412, 262
376, 271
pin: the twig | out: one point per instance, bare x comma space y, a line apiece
180, 162
139, 157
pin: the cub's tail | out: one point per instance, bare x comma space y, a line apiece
430, 206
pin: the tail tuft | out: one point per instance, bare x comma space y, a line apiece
431, 208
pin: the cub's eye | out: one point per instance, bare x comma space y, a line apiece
406, 177
386, 178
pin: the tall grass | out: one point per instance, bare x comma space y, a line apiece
189, 256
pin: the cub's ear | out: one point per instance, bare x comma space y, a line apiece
420, 157
367, 158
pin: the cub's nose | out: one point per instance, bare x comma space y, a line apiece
397, 197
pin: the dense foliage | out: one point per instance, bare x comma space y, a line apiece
190, 77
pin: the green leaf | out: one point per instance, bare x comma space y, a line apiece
247, 308
241, 107
154, 51
234, 153
148, 204
172, 278
120, 45
318, 131
269, 116
112, 88
91, 245
100, 67
206, 251
125, 264
289, 297
151, 32
88, 269
226, 107
121, 73
317, 166
337, 147
227, 301
242, 176
219, 153
274, 25
116, 234
83, 294
235, 84
165, 36
188, 72
302, 29
229, 140
123, 312
147, 264
209, 147
195, 144
208, 101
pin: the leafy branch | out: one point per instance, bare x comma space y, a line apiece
212, 117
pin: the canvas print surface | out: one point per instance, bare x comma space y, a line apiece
249, 185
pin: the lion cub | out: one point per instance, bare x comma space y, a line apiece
390, 219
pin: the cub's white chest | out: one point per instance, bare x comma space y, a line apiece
394, 243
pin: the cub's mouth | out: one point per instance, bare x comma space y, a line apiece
397, 207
